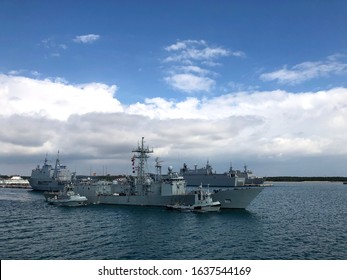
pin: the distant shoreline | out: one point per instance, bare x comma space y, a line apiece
305, 179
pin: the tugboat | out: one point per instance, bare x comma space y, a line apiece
66, 198
203, 203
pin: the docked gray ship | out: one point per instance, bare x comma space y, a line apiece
157, 189
49, 178
208, 177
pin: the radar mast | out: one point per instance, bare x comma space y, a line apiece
142, 155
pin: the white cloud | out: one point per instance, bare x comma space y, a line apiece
55, 99
85, 39
87, 123
238, 53
307, 71
187, 65
193, 69
275, 123
32, 73
50, 43
177, 46
189, 51
190, 83
52, 48
162, 109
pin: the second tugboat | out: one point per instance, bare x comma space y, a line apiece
67, 197
203, 203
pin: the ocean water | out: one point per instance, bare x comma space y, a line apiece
290, 221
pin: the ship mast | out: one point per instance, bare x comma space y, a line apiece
57, 165
46, 160
158, 167
142, 152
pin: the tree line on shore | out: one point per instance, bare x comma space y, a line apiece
302, 179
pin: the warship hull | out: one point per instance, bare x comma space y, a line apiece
51, 186
237, 198
230, 198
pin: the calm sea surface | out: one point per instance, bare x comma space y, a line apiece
287, 221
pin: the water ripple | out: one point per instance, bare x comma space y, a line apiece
287, 221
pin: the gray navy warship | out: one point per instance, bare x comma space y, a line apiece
157, 189
49, 178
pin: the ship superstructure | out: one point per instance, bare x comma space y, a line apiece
207, 176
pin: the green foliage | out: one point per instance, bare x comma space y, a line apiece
302, 179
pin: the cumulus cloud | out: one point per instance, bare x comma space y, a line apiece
86, 39
91, 127
54, 99
188, 51
306, 71
189, 55
190, 82
188, 63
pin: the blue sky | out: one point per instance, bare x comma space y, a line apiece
256, 82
